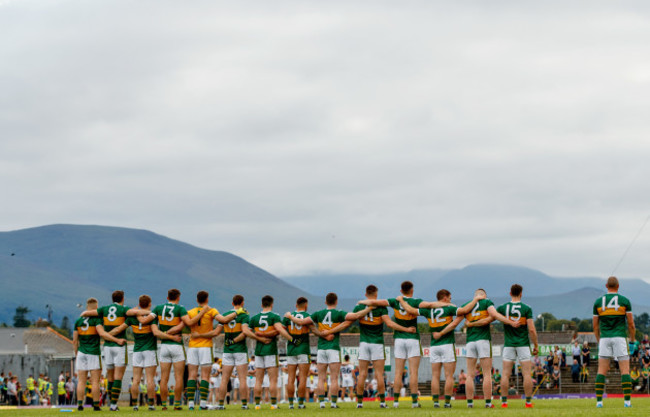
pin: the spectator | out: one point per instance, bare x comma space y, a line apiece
584, 373
575, 370
550, 359
645, 343
3, 388
12, 392
69, 390
645, 359
645, 379
635, 375
586, 353
634, 349
462, 379
555, 377
539, 374
577, 351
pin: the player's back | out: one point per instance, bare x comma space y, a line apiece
612, 309
479, 312
517, 312
204, 325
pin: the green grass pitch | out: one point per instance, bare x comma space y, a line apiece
577, 408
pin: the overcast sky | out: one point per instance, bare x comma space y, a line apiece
344, 136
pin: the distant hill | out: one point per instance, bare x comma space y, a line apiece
62, 265
564, 297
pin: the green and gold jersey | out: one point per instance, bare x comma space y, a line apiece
300, 334
519, 312
327, 320
169, 315
88, 336
372, 325
231, 330
480, 311
405, 319
143, 335
439, 318
113, 316
262, 324
611, 310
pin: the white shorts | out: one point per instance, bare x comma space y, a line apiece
200, 356
297, 360
613, 348
479, 349
215, 382
115, 356
511, 354
87, 362
172, 353
442, 353
234, 359
265, 381
250, 381
328, 356
371, 351
407, 348
347, 381
314, 382
145, 359
235, 383
263, 362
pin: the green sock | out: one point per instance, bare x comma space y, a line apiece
436, 398
95, 403
133, 402
274, 400
600, 387
447, 399
504, 399
626, 383
470, 401
177, 403
528, 399
301, 400
204, 390
488, 401
334, 398
244, 401
414, 397
258, 400
150, 401
382, 398
360, 399
291, 400
116, 391
321, 398
191, 390
396, 397
109, 390
80, 403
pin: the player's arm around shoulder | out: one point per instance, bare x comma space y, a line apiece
469, 306
392, 325
407, 307
107, 336
376, 303
227, 318
304, 321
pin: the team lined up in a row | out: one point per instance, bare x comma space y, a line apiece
167, 321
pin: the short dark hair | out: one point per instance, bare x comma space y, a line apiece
371, 289
407, 286
237, 300
516, 290
118, 296
331, 299
301, 301
144, 301
442, 294
202, 296
173, 294
267, 301
612, 282
346, 357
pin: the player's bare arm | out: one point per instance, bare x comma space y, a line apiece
177, 329
212, 333
119, 329
192, 321
107, 336
249, 333
452, 326
268, 333
407, 307
375, 303
532, 333
464, 310
75, 342
282, 331
479, 323
226, 319
631, 329
492, 311
315, 330
164, 336
596, 320
90, 313
359, 314
339, 328
305, 321
147, 318
137, 311
391, 324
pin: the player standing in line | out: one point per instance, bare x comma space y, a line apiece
407, 345
347, 379
517, 344
371, 345
215, 381
235, 353
145, 355
298, 354
479, 345
443, 318
113, 318
171, 319
86, 344
330, 322
611, 311
199, 354
267, 325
